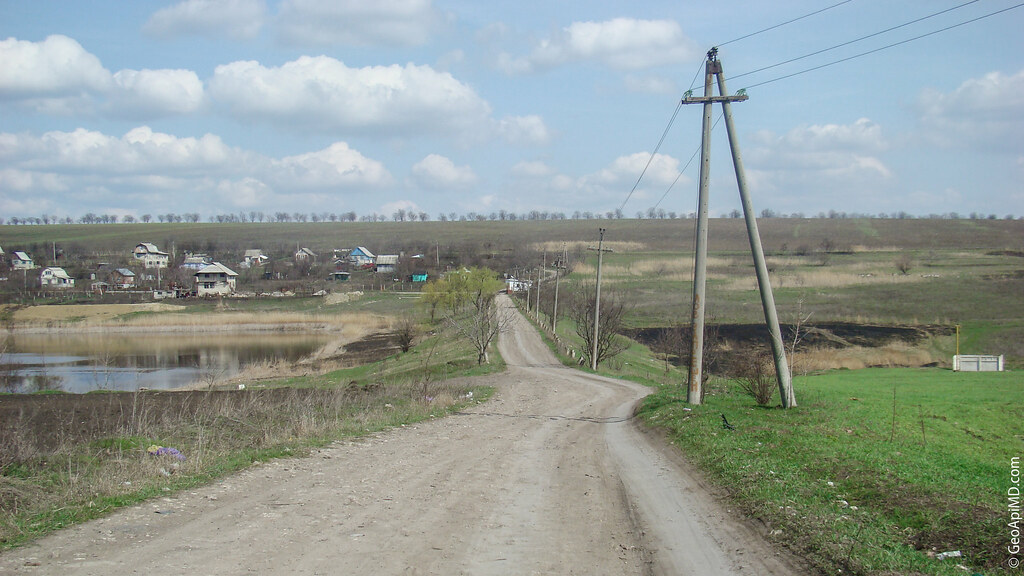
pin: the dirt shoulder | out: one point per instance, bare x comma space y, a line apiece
552, 476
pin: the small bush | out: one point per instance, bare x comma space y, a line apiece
756, 377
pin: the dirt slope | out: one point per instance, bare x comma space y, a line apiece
549, 477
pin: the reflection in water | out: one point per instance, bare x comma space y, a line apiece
81, 363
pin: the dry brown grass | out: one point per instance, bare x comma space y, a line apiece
553, 247
81, 475
169, 317
896, 354
825, 278
678, 269
860, 248
94, 313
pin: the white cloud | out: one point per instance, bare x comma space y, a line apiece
323, 93
621, 43
988, 110
829, 149
524, 130
26, 181
532, 169
336, 166
391, 208
58, 76
236, 19
245, 193
357, 22
625, 170
650, 85
819, 167
85, 170
151, 93
608, 185
140, 151
436, 172
55, 67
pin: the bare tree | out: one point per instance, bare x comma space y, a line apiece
581, 310
798, 332
481, 326
471, 308
675, 342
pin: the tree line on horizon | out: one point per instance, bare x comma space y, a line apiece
402, 215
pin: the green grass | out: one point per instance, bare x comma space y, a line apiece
849, 486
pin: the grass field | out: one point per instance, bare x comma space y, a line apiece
876, 471
779, 235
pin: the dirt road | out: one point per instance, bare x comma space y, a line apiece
549, 477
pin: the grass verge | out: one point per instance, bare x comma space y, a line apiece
876, 472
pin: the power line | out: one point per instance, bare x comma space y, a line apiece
894, 44
854, 41
784, 23
653, 154
784, 77
696, 75
688, 162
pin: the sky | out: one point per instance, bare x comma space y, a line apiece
460, 106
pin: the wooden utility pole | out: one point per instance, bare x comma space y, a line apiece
540, 275
597, 298
559, 266
713, 67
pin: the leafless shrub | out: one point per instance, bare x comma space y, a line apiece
756, 377
904, 263
405, 333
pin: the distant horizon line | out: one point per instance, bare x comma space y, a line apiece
403, 216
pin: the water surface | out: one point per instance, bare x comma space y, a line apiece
80, 363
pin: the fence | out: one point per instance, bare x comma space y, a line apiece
977, 363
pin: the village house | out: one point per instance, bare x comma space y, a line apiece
55, 277
150, 256
253, 258
386, 263
22, 261
196, 261
304, 254
122, 279
361, 257
215, 280
512, 284
339, 276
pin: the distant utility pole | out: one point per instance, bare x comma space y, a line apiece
559, 266
713, 69
540, 274
597, 298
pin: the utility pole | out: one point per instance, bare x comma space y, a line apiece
597, 298
713, 67
700, 255
540, 274
559, 266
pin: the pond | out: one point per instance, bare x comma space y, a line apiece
80, 363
